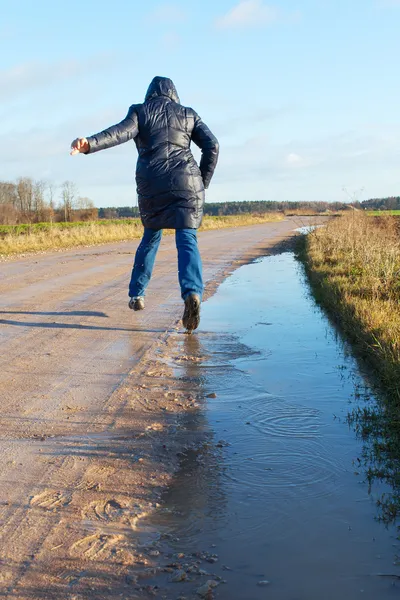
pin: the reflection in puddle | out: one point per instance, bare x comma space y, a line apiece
272, 490
377, 425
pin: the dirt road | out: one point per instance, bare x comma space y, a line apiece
86, 409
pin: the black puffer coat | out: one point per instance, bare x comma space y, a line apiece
170, 185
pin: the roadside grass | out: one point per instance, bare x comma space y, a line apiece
239, 220
39, 237
353, 264
304, 212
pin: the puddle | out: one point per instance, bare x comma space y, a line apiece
275, 492
307, 229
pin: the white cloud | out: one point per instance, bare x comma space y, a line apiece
29, 76
252, 13
168, 13
293, 158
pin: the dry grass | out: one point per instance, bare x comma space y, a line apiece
56, 238
239, 220
302, 212
355, 262
354, 266
94, 233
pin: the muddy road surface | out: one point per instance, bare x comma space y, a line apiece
89, 420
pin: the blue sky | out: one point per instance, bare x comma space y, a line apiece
304, 95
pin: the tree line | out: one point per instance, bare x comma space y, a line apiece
235, 208
390, 203
264, 206
119, 212
37, 201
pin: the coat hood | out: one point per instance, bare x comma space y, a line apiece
162, 86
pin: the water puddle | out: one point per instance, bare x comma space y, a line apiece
273, 501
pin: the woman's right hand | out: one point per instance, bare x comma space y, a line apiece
80, 145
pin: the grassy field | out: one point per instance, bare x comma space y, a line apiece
382, 213
21, 239
354, 267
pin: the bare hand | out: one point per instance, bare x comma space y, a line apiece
80, 145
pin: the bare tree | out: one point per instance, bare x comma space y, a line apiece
51, 188
85, 209
39, 202
68, 195
8, 203
8, 193
83, 203
25, 198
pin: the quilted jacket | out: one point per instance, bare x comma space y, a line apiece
170, 184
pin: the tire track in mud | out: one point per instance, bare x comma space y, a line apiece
50, 500
101, 532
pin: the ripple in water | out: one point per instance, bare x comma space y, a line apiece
273, 492
278, 418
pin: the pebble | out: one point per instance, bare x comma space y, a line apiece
221, 444
179, 576
212, 395
206, 588
154, 553
151, 590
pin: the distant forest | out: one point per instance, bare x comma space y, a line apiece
264, 206
391, 203
34, 201
236, 208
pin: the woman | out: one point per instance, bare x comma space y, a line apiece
170, 185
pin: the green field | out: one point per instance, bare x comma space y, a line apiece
31, 228
382, 213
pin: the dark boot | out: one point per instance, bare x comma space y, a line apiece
137, 303
191, 316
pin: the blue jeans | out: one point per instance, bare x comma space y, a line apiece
189, 262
